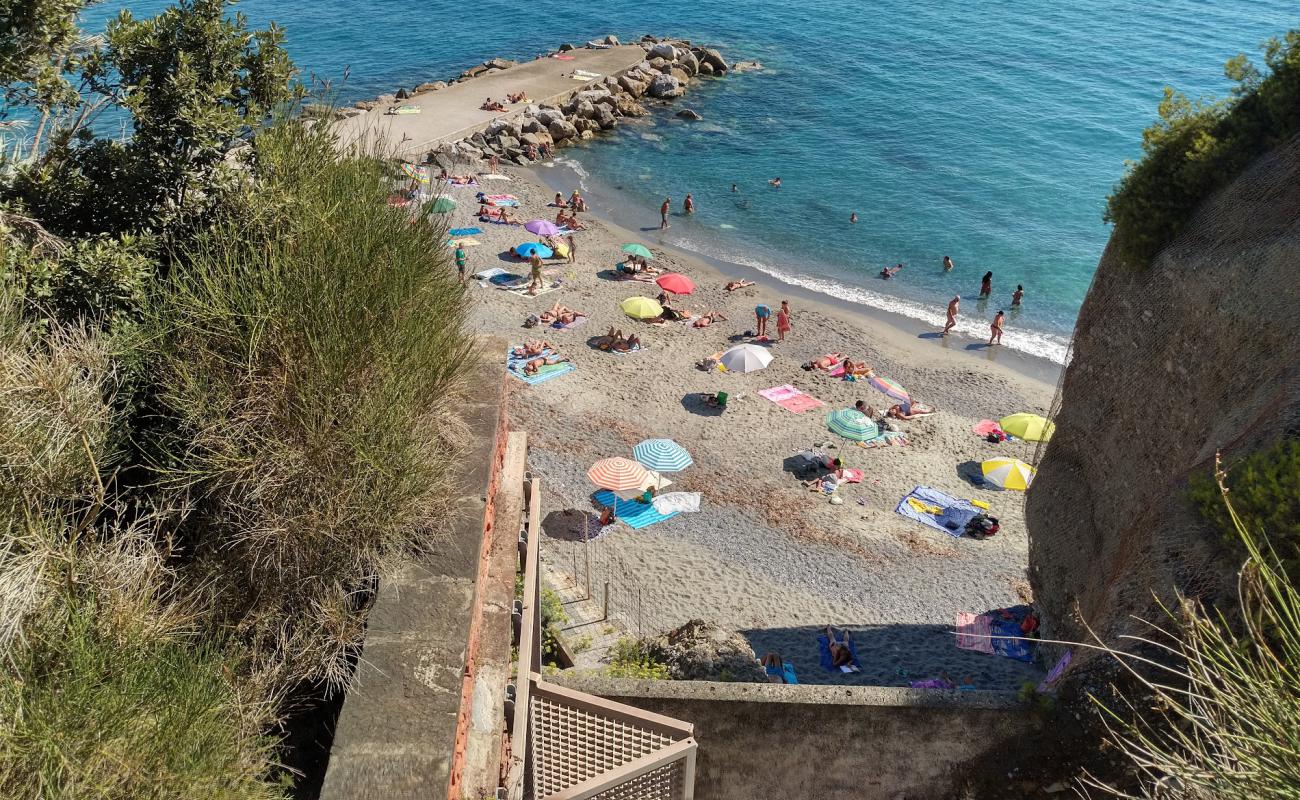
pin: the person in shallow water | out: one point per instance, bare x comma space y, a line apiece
663, 212
1017, 295
947, 264
954, 305
889, 272
688, 205
776, 182
733, 188
995, 329
986, 285
853, 217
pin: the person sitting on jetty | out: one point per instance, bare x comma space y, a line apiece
734, 285
536, 364
560, 314
841, 655
708, 319
889, 272
520, 97
490, 105
533, 347
908, 411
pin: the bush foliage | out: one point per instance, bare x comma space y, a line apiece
1199, 146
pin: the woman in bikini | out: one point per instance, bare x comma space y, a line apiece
827, 362
734, 285
533, 366
708, 319
532, 348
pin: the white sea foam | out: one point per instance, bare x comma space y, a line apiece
1036, 343
725, 226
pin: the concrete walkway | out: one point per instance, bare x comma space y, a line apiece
451, 114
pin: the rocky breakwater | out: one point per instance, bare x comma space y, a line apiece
671, 66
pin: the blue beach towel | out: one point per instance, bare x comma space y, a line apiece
464, 231
507, 279
515, 366
1008, 641
636, 515
951, 520
788, 674
827, 661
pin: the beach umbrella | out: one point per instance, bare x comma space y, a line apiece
1008, 473
618, 474
417, 171
443, 205
889, 387
676, 283
852, 424
1028, 426
527, 249
634, 249
541, 227
745, 358
662, 455
641, 308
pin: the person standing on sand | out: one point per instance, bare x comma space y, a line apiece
573, 248
785, 306
461, 256
688, 205
947, 264
995, 330
761, 313
1017, 296
663, 212
986, 285
853, 217
954, 305
783, 321
535, 261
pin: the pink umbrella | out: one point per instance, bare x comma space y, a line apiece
541, 227
676, 283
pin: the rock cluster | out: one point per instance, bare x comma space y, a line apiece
701, 651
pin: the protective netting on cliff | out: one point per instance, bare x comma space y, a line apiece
1196, 354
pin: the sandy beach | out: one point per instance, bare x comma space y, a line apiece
764, 556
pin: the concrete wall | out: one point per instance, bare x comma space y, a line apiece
844, 742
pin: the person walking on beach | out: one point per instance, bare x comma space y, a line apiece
783, 321
995, 330
663, 212
461, 257
688, 205
986, 285
954, 305
761, 313
535, 261
1017, 296
947, 264
573, 248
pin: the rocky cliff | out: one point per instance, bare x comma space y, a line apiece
1194, 354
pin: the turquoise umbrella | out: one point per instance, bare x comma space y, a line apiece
851, 424
443, 205
527, 249
662, 455
634, 249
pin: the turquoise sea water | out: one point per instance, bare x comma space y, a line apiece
990, 132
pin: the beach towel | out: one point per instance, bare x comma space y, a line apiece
577, 321
515, 366
852, 475
490, 273
827, 661
791, 399
885, 439
502, 203
951, 517
1012, 646
464, 242
973, 632
1057, 671
562, 57
636, 515
788, 674
521, 289
492, 176
490, 197
508, 280
464, 231
677, 503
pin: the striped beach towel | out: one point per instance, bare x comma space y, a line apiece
791, 399
974, 632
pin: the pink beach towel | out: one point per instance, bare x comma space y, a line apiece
852, 475
984, 427
791, 399
974, 632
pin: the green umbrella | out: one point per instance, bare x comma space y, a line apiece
443, 205
852, 424
634, 249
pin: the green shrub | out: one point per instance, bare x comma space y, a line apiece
1199, 146
1265, 491
99, 280
553, 617
628, 658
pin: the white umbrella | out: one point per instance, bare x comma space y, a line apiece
745, 358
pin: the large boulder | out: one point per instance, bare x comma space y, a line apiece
605, 117
633, 86
666, 87
629, 107
561, 129
531, 125
582, 124
705, 68
508, 143
611, 40
536, 138
714, 59
507, 127
585, 109
566, 47
687, 113
680, 74
593, 95
659, 64
701, 651
688, 62
549, 116
747, 66
386, 99
499, 63
587, 134
663, 50
430, 87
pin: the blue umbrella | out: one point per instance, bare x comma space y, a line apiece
662, 455
527, 249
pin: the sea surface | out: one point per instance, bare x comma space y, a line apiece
991, 131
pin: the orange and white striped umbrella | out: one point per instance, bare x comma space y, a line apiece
618, 474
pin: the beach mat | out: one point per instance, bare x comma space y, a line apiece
951, 515
636, 515
886, 439
973, 632
522, 289
1008, 640
464, 231
515, 366
791, 399
577, 323
827, 661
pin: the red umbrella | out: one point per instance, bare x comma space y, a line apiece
676, 283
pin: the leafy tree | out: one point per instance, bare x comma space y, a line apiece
38, 40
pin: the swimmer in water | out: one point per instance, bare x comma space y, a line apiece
776, 182
853, 217
947, 264
1017, 296
889, 272
733, 188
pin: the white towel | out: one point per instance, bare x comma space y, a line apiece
684, 502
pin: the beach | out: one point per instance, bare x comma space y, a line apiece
764, 555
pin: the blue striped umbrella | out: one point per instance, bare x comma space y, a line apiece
662, 455
851, 424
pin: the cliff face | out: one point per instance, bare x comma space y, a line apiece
1198, 353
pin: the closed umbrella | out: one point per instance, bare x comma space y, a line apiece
662, 455
618, 474
443, 205
541, 227
745, 358
1008, 473
634, 249
676, 283
527, 249
1028, 426
641, 308
889, 387
852, 424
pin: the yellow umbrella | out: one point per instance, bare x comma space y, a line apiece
641, 308
1008, 473
1028, 426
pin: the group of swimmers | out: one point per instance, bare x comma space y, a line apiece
999, 319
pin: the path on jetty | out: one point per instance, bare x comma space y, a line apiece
453, 113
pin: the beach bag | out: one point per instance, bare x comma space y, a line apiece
532, 321
982, 526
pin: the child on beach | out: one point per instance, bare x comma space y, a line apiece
535, 262
573, 248
995, 329
783, 322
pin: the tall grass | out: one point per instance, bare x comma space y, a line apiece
1217, 710
311, 353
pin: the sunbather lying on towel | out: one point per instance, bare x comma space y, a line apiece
909, 411
632, 342
826, 484
857, 368
560, 314
827, 362
734, 285
708, 319
532, 348
709, 363
774, 667
841, 655
533, 366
